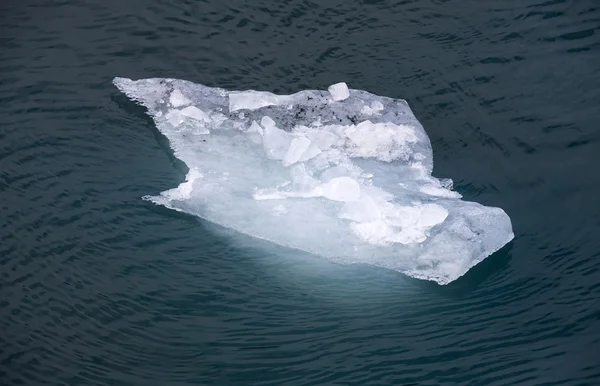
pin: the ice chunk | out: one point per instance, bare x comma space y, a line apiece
267, 122
374, 108
195, 113
182, 120
251, 100
387, 223
385, 141
255, 132
174, 117
323, 138
341, 189
276, 142
301, 180
339, 91
303, 172
418, 216
254, 100
312, 151
255, 128
298, 147
177, 99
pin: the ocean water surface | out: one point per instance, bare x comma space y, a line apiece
100, 287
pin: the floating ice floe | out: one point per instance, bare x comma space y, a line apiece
341, 173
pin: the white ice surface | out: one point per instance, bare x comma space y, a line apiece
348, 179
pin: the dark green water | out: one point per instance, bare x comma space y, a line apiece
98, 287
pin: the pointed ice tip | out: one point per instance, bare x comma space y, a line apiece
121, 82
339, 91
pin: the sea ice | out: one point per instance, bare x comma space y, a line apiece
343, 173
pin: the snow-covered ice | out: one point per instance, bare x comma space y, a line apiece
342, 173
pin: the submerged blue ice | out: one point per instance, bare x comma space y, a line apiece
341, 173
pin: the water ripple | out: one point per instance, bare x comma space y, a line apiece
99, 287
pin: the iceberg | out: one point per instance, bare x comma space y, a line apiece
340, 173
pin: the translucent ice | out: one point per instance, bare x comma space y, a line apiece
177, 99
297, 148
195, 113
276, 142
339, 91
341, 173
